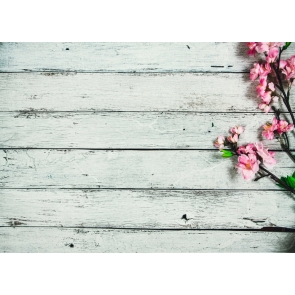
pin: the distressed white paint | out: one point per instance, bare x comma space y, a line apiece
155, 96
155, 209
128, 169
126, 57
106, 130
207, 92
130, 241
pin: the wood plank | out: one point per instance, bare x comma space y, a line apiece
170, 169
150, 209
129, 92
57, 240
126, 57
127, 130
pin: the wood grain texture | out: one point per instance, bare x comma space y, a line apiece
58, 240
149, 209
127, 130
207, 92
127, 169
126, 57
62, 102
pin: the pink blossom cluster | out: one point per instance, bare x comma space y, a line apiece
269, 48
221, 141
265, 90
250, 157
287, 68
279, 126
267, 70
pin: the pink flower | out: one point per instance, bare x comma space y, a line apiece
265, 69
237, 130
283, 126
261, 87
282, 64
233, 139
269, 129
289, 68
265, 107
219, 142
248, 149
248, 165
272, 55
255, 72
262, 47
252, 48
266, 97
271, 86
267, 157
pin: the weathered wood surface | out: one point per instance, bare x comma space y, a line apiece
57, 91
67, 107
130, 241
127, 130
150, 209
170, 169
126, 57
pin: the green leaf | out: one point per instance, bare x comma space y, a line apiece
293, 175
291, 181
280, 185
287, 45
227, 154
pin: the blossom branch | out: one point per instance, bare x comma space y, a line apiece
254, 159
276, 179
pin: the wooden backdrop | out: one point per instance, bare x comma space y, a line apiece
105, 146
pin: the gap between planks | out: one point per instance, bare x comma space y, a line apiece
263, 229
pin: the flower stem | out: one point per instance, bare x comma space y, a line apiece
286, 97
276, 179
285, 147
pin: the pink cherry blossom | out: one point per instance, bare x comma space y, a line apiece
237, 130
252, 48
261, 87
248, 149
267, 157
265, 107
219, 142
269, 129
284, 126
262, 47
265, 69
289, 68
233, 138
248, 165
282, 64
255, 72
272, 55
266, 97
271, 86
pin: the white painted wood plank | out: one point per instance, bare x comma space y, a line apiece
57, 240
126, 57
127, 169
106, 130
148, 209
129, 92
